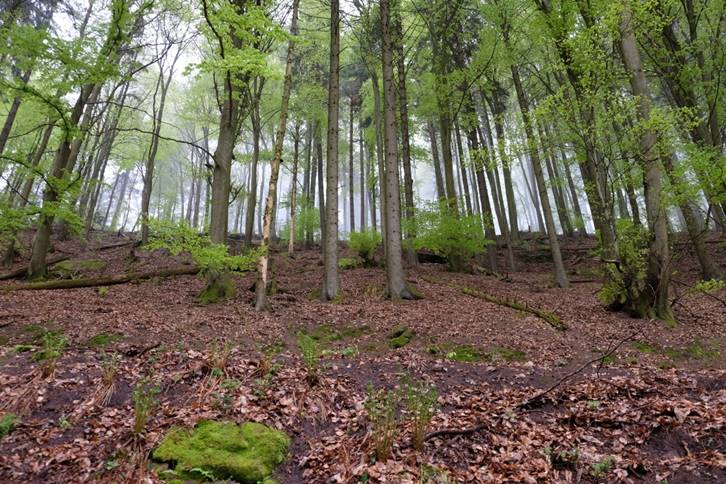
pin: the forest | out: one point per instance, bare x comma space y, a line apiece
333, 241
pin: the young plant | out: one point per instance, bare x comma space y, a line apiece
382, 407
421, 405
310, 351
53, 345
145, 398
365, 243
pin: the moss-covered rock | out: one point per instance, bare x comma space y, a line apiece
247, 453
74, 268
400, 337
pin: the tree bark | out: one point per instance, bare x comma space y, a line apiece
331, 286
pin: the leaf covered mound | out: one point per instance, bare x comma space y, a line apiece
246, 453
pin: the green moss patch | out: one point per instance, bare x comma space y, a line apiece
73, 268
470, 354
7, 423
696, 350
349, 263
247, 453
400, 337
644, 347
102, 340
3, 340
218, 288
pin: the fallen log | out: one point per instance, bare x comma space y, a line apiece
24, 270
100, 281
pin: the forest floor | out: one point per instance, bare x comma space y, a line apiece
650, 407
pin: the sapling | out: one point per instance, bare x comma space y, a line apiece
310, 351
382, 407
145, 398
109, 369
421, 405
53, 345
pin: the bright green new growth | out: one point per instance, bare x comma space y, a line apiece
210, 257
442, 232
365, 243
626, 278
307, 220
247, 453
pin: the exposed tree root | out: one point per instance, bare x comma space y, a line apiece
101, 281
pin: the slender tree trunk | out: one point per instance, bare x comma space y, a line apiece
462, 168
363, 190
331, 286
263, 261
293, 191
559, 267
351, 146
252, 193
440, 189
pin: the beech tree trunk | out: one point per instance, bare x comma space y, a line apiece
331, 287
396, 287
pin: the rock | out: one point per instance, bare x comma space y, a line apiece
72, 268
247, 453
400, 337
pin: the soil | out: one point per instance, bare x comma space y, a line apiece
652, 409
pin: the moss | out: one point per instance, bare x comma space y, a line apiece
3, 340
644, 347
400, 337
349, 263
102, 340
7, 423
72, 268
506, 354
218, 288
102, 291
696, 350
247, 453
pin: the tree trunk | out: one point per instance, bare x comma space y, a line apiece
440, 190
559, 267
351, 146
263, 261
396, 287
331, 287
654, 298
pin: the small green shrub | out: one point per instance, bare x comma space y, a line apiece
307, 220
7, 423
421, 405
382, 407
348, 263
365, 243
145, 397
602, 468
310, 351
52, 347
456, 238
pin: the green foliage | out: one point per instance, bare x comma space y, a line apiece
145, 397
365, 243
382, 407
211, 258
348, 263
421, 405
602, 468
310, 351
247, 453
307, 220
7, 423
103, 339
52, 347
440, 231
626, 277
